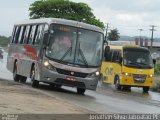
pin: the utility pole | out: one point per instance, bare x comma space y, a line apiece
140, 30
152, 30
107, 27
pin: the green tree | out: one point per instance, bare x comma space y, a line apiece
4, 40
64, 9
113, 35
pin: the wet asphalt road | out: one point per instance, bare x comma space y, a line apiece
104, 100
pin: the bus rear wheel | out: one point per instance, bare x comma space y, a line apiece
23, 79
117, 83
34, 82
145, 89
81, 91
16, 77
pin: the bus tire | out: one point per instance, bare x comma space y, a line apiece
16, 77
117, 83
23, 79
34, 83
81, 91
145, 89
58, 85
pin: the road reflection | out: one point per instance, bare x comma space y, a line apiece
136, 94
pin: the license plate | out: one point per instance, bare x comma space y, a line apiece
70, 78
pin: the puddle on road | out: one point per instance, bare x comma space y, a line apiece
4, 73
133, 94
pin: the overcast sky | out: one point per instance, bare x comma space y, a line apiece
126, 15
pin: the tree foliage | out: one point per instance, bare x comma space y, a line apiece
113, 35
64, 9
4, 40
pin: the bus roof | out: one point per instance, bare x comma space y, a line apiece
60, 21
127, 46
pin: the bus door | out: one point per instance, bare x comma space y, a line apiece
116, 65
107, 68
111, 66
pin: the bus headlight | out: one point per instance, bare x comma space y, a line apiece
126, 74
94, 74
150, 76
97, 73
46, 63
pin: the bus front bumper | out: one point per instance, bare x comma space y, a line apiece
129, 81
48, 76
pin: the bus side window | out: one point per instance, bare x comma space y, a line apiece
35, 34
109, 57
119, 56
114, 56
26, 34
20, 34
22, 37
13, 34
17, 34
38, 36
31, 35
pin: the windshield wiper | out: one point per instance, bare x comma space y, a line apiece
82, 54
65, 54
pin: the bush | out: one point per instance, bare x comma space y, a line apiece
157, 69
156, 86
4, 41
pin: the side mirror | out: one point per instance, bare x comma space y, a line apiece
46, 38
154, 61
106, 51
120, 60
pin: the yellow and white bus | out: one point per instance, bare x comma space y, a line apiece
128, 66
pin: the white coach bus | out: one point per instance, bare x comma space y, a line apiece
56, 51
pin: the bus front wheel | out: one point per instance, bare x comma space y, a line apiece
34, 82
145, 89
81, 91
117, 83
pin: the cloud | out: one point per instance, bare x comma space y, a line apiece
129, 18
136, 13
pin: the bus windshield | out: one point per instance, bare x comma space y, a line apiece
137, 58
75, 46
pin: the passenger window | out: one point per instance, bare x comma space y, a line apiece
38, 35
26, 34
17, 34
109, 56
116, 56
14, 32
22, 37
32, 33
20, 34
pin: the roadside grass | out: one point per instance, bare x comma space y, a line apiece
157, 69
156, 84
